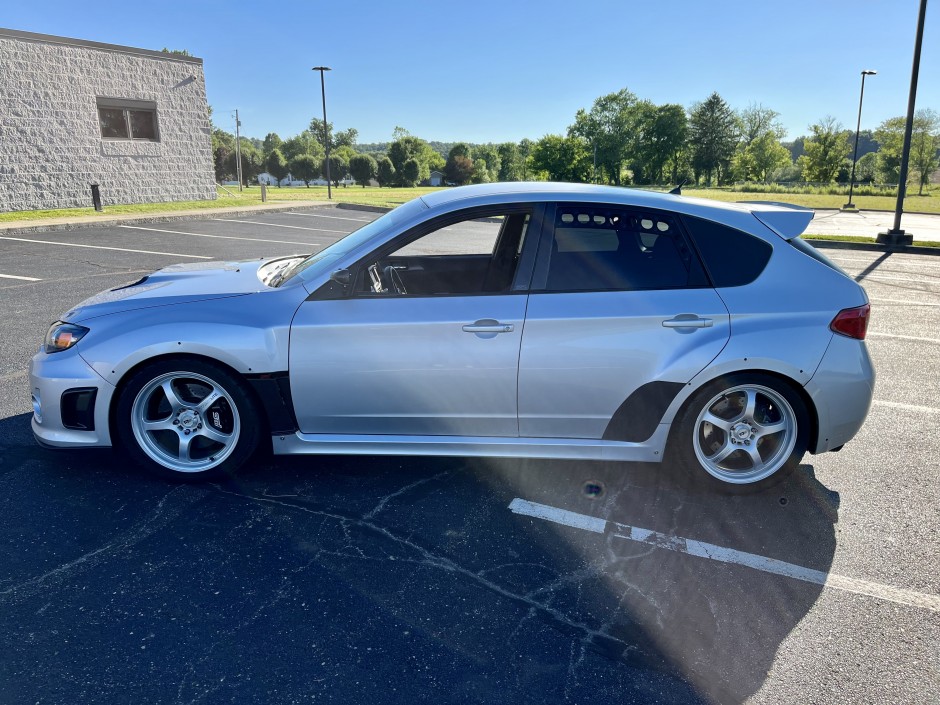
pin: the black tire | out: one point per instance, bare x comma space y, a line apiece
720, 453
167, 422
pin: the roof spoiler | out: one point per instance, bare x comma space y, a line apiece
785, 219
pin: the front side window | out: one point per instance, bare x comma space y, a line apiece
476, 254
598, 248
127, 120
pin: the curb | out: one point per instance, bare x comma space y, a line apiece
363, 207
872, 247
157, 218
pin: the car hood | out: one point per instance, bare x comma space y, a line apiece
177, 284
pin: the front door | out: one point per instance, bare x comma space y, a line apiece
427, 340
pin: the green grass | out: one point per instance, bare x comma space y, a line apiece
369, 196
912, 203
860, 238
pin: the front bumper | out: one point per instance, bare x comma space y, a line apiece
842, 390
50, 377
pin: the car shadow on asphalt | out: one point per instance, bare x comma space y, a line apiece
511, 608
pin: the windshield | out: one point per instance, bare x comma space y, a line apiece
316, 262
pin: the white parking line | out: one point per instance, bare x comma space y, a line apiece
334, 217
272, 225
25, 279
907, 407
224, 237
102, 247
904, 337
709, 551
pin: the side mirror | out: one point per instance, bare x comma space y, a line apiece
341, 276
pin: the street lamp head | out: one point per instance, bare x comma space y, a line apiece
869, 72
321, 68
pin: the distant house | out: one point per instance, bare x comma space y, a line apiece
436, 178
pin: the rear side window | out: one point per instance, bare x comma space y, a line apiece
807, 249
731, 256
598, 248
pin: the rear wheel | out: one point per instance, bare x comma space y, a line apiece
187, 420
746, 432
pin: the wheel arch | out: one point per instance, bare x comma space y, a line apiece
183, 356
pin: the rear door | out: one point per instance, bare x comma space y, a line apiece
619, 305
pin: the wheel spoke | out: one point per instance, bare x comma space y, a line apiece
161, 425
213, 435
771, 429
210, 399
717, 421
750, 405
723, 453
756, 460
175, 403
184, 448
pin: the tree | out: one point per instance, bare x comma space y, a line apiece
304, 167
508, 162
760, 152
866, 169
610, 128
410, 173
271, 142
562, 158
925, 142
481, 174
826, 151
525, 152
458, 170
406, 148
276, 165
339, 167
343, 138
385, 172
713, 133
223, 149
662, 134
490, 156
461, 149
304, 143
363, 169
252, 161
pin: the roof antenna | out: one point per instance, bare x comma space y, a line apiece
677, 191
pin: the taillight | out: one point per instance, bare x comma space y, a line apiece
851, 322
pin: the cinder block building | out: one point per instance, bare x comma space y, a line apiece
75, 113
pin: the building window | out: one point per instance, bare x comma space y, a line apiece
127, 119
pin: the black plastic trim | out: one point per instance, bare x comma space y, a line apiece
273, 390
77, 407
638, 417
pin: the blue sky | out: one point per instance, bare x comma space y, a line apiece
488, 70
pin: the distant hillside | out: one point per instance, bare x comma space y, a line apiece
442, 148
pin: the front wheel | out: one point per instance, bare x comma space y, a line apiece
746, 432
187, 420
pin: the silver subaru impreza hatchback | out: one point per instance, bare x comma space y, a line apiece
518, 320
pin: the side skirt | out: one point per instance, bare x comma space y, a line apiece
649, 451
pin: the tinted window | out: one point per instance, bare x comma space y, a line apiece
732, 257
595, 248
807, 249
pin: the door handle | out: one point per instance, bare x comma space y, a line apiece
688, 320
488, 326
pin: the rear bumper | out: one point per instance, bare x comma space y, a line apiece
841, 389
51, 377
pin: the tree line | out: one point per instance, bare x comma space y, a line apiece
620, 140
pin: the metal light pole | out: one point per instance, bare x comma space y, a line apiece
326, 129
896, 236
861, 97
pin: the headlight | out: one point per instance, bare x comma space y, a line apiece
62, 336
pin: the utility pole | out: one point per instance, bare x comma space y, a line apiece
896, 236
238, 151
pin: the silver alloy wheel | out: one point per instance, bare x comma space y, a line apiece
745, 434
185, 422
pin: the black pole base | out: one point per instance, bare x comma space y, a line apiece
849, 208
895, 238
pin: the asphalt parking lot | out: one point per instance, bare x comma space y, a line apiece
394, 580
